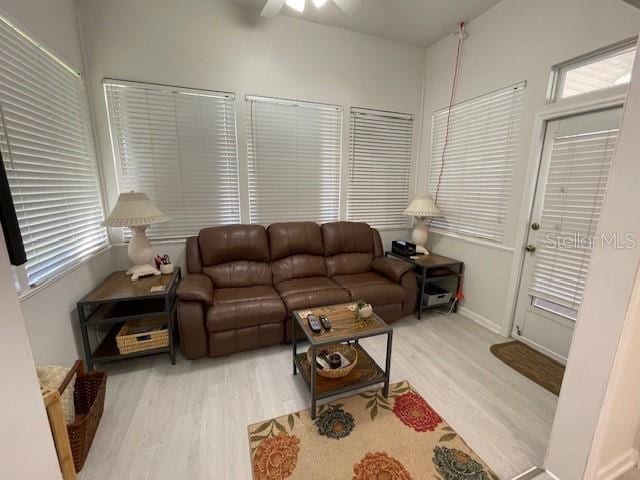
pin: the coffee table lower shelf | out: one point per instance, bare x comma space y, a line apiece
366, 373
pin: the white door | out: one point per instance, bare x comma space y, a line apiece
573, 176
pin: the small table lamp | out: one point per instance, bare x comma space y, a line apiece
421, 207
136, 211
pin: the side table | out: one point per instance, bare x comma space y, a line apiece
344, 328
117, 300
433, 268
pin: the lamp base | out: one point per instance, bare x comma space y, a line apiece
138, 271
140, 254
419, 236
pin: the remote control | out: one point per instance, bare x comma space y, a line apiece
314, 324
326, 324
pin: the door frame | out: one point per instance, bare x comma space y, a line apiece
572, 106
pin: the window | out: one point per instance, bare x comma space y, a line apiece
604, 68
472, 164
575, 189
379, 167
178, 146
48, 153
293, 150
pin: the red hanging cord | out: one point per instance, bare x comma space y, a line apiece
461, 35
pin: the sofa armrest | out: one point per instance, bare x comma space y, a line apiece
196, 287
390, 268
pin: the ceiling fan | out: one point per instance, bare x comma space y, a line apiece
273, 7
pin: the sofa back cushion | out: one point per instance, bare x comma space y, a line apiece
349, 247
235, 255
296, 250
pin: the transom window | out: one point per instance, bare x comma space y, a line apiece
605, 68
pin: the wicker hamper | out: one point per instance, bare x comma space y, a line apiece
89, 402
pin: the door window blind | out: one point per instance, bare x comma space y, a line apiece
293, 151
179, 147
576, 184
48, 153
471, 182
379, 167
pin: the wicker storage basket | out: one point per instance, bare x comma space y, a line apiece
345, 349
89, 402
140, 335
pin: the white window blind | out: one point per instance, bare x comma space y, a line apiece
48, 153
576, 184
179, 147
293, 151
471, 182
379, 167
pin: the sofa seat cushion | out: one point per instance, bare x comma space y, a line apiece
311, 292
244, 307
372, 288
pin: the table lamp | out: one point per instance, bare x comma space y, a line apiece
421, 207
136, 211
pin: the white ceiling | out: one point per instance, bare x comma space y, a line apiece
420, 22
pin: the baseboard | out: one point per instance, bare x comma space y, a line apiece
619, 465
540, 348
529, 474
480, 320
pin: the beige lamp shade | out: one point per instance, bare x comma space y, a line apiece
134, 209
423, 206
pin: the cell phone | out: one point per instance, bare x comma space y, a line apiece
314, 323
326, 324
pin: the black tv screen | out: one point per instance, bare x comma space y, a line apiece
10, 226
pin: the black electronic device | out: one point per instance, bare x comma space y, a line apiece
314, 323
9, 220
404, 248
326, 324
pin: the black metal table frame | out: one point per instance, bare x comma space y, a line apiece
170, 305
312, 365
424, 279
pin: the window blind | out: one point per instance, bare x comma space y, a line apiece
179, 147
379, 167
293, 151
48, 153
471, 182
576, 184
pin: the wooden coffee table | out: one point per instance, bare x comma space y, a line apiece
345, 328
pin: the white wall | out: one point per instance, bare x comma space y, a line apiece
49, 312
515, 40
26, 445
602, 317
209, 44
615, 445
51, 316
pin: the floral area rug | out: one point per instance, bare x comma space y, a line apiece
364, 437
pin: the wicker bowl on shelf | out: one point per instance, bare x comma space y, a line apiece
349, 352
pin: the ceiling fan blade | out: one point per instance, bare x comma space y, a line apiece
348, 6
272, 8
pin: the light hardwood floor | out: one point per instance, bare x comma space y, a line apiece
189, 421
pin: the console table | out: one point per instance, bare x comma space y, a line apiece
117, 300
433, 268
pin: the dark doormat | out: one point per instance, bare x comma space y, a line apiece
537, 367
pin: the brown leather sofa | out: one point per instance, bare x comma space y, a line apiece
244, 281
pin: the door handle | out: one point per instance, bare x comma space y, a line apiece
530, 248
